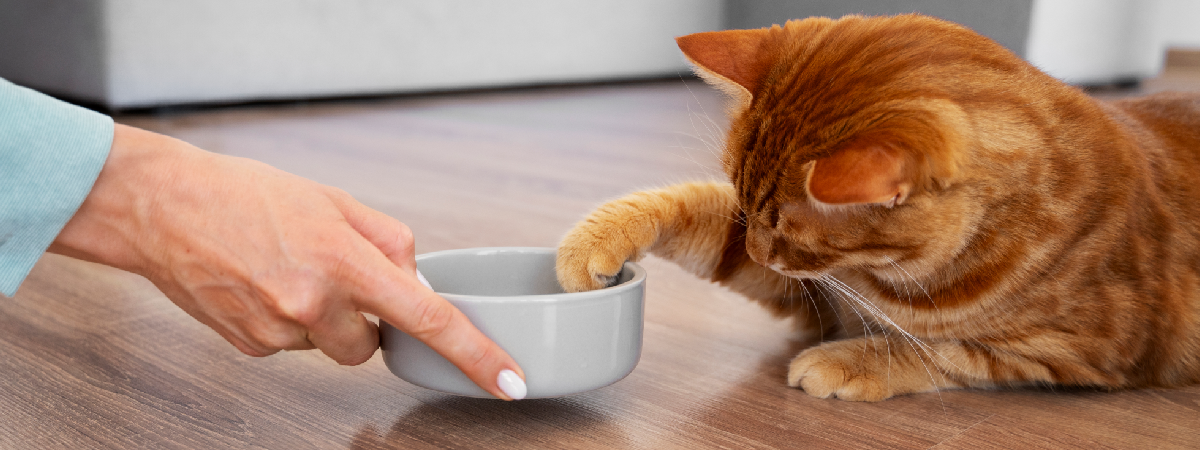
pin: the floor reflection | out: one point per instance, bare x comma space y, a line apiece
446, 421
785, 417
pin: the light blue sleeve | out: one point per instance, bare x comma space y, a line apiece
50, 155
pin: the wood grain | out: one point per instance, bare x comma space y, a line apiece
92, 357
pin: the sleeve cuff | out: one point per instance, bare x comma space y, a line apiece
50, 155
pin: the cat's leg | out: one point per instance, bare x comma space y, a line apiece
687, 224
877, 367
695, 225
870, 368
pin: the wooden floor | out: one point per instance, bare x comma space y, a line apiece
91, 357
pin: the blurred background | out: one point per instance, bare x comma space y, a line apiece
122, 54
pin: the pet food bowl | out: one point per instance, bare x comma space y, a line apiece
566, 343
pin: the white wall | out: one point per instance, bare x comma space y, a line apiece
1180, 22
1099, 41
167, 51
162, 52
1096, 41
128, 53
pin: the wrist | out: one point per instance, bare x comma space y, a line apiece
110, 226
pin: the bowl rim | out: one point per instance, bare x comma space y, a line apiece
638, 279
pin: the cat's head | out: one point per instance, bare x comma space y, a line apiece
856, 142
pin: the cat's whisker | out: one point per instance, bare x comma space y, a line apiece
914, 281
900, 274
832, 288
875, 311
733, 218
848, 291
867, 325
897, 286
787, 293
917, 350
913, 341
889, 361
789, 302
816, 308
714, 139
706, 170
698, 103
821, 290
710, 143
740, 213
707, 145
709, 138
824, 285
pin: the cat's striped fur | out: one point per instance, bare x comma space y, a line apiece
945, 214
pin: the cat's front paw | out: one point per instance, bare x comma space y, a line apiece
591, 256
854, 370
687, 218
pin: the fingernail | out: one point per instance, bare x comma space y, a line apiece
423, 281
512, 385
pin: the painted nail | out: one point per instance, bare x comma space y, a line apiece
423, 281
512, 385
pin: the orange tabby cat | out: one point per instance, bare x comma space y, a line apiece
951, 215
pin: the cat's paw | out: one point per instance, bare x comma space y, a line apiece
588, 259
844, 370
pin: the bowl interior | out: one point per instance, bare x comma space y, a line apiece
495, 272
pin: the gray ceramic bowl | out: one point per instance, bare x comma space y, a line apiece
565, 343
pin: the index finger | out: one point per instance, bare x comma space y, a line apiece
402, 301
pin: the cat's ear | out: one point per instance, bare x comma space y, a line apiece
862, 173
732, 56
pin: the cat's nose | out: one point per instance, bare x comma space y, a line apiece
758, 246
763, 246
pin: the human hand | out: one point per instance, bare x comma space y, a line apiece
268, 260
